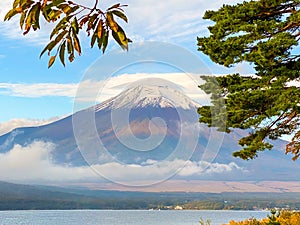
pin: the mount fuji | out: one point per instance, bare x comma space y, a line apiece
147, 123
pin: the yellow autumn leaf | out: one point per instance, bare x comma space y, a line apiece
51, 61
111, 22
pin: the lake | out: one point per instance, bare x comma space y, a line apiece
123, 217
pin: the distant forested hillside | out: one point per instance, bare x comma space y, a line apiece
24, 197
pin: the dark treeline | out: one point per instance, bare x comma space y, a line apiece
15, 196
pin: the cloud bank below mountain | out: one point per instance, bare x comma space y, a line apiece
33, 163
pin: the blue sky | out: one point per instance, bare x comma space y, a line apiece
31, 94
31, 91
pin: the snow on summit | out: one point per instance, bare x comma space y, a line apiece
143, 95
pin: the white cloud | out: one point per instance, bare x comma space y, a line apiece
8, 126
38, 89
152, 170
169, 20
203, 167
187, 83
33, 163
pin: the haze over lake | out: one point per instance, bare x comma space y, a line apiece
128, 217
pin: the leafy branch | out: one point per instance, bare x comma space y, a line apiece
70, 19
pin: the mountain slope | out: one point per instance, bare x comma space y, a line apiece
150, 123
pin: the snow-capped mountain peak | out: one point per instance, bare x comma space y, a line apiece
143, 95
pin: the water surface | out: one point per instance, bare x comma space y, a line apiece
123, 217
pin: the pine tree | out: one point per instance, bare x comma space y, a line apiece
266, 34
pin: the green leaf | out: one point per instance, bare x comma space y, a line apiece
48, 47
61, 36
25, 4
16, 3
114, 6
36, 16
54, 14
10, 14
73, 9
91, 22
62, 53
70, 46
46, 13
66, 8
100, 42
51, 61
75, 25
120, 14
105, 41
57, 2
76, 43
60, 26
22, 19
93, 40
29, 21
121, 38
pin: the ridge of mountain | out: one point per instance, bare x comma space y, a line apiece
144, 103
148, 95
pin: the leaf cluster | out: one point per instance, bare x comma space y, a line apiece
70, 18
